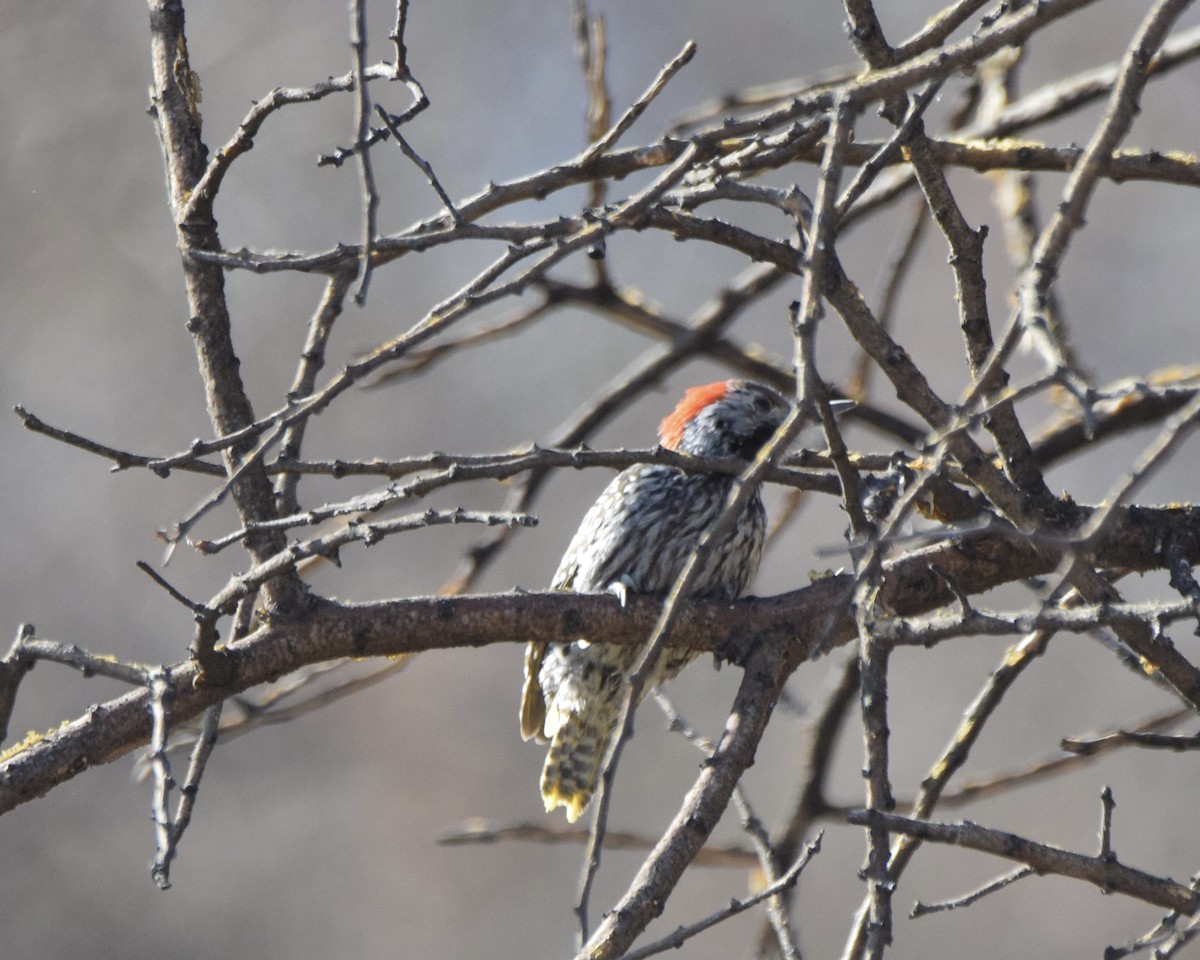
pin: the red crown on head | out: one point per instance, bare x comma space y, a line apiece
695, 399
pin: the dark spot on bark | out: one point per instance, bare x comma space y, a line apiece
572, 623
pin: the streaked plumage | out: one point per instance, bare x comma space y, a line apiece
637, 536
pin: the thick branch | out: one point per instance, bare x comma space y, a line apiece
793, 621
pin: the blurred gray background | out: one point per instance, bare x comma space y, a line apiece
316, 838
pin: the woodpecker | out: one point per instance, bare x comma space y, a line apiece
635, 539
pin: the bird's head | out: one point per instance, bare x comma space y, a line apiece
729, 418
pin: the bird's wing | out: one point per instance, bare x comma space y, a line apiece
597, 557
533, 701
581, 549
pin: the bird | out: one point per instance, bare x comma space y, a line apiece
635, 539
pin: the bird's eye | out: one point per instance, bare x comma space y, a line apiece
762, 404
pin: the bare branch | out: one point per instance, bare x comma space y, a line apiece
921, 909
1051, 246
1107, 874
638, 107
175, 109
1133, 738
161, 694
482, 831
946, 496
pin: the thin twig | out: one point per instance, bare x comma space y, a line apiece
1132, 738
683, 934
89, 664
201, 199
161, 693
175, 595
312, 359
480, 831
921, 909
893, 273
422, 164
938, 29
1167, 937
362, 127
205, 741
884, 155
591, 45
391, 71
638, 107
369, 534
1107, 804
267, 711
122, 459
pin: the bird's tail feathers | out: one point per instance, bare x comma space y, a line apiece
573, 763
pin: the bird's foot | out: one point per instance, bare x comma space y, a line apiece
621, 589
